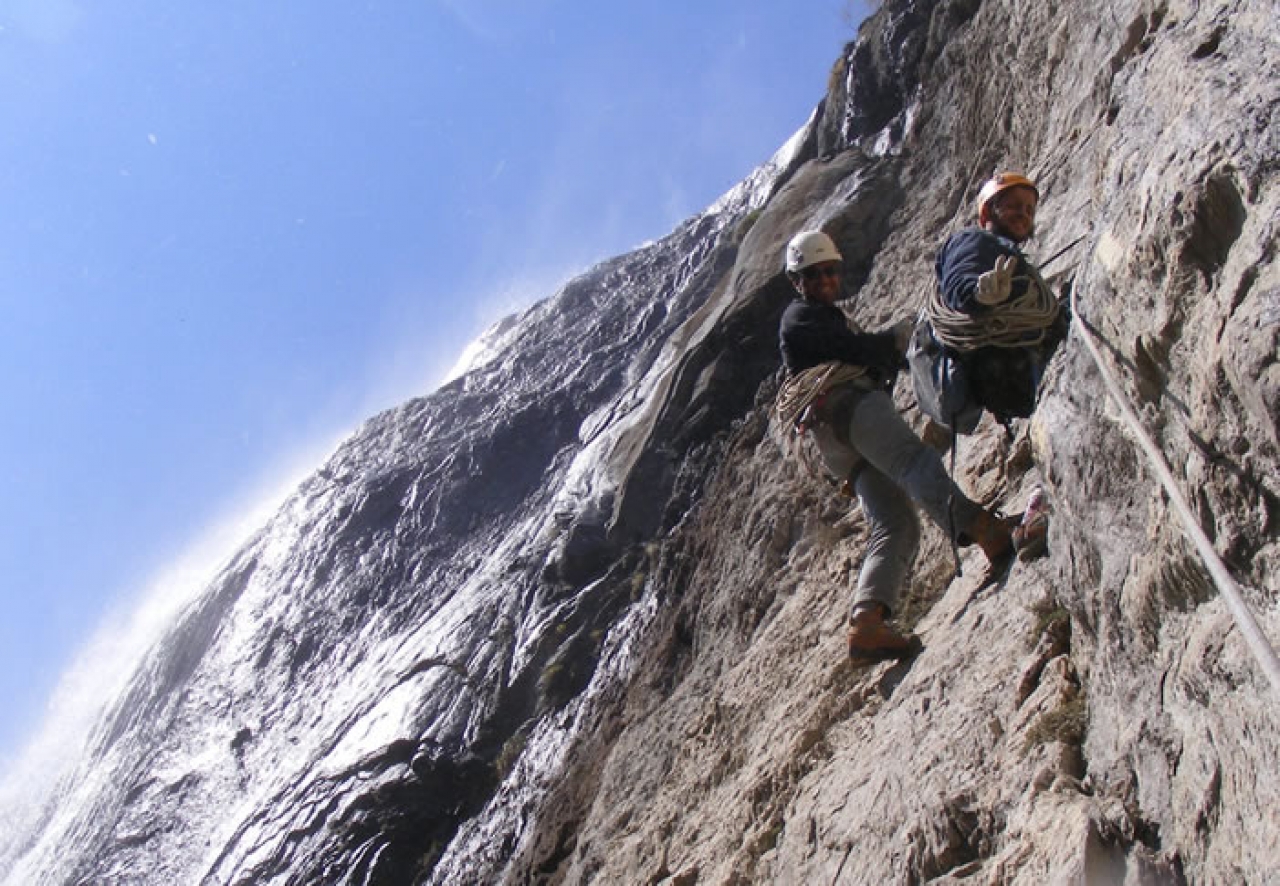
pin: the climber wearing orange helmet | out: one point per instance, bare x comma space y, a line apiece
1014, 321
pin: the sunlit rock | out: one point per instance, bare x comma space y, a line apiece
575, 618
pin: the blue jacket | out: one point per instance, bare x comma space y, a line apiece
964, 257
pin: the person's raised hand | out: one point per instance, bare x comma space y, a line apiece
994, 285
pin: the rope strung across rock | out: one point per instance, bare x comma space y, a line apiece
1020, 322
1257, 642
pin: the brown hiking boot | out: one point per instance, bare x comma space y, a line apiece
994, 534
871, 640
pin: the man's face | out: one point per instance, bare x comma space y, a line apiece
1013, 214
821, 282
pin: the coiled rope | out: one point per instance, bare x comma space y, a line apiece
1022, 321
800, 390
796, 395
1248, 625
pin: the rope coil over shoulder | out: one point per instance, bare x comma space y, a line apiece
1022, 321
800, 396
805, 388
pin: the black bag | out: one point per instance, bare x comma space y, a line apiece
1004, 381
941, 382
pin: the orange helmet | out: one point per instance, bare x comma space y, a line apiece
1002, 181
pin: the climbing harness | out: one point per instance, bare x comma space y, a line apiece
1257, 642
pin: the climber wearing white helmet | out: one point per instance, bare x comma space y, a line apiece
837, 388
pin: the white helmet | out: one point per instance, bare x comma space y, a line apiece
810, 248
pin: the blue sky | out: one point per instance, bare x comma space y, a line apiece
231, 231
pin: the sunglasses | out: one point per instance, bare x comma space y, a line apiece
820, 271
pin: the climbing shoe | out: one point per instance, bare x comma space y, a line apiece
872, 640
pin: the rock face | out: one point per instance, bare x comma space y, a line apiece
574, 618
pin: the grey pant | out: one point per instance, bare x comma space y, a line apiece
893, 470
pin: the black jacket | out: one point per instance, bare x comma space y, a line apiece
813, 333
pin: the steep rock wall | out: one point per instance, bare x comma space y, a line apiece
574, 618
1096, 718
347, 691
